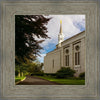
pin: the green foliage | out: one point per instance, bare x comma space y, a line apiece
33, 67
72, 81
65, 72
27, 27
19, 78
19, 69
29, 68
50, 74
82, 75
40, 73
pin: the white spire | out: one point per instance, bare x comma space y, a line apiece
60, 36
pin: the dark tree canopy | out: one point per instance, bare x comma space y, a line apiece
27, 27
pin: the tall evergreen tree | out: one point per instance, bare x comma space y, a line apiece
27, 27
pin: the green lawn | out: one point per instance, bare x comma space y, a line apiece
19, 78
64, 81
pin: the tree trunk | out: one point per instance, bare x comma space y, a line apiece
22, 74
19, 74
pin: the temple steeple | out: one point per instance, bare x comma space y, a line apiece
60, 36
60, 27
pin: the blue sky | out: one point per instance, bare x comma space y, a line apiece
71, 25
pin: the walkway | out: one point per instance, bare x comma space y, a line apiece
31, 80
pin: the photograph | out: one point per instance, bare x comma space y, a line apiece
50, 49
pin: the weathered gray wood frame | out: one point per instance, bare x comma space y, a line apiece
47, 92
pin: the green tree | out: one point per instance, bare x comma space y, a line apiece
32, 67
27, 27
21, 70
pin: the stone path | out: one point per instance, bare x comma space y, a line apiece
31, 80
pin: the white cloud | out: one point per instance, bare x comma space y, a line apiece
68, 26
71, 25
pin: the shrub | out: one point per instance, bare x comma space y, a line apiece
65, 72
82, 75
50, 74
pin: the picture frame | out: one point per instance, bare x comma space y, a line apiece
91, 89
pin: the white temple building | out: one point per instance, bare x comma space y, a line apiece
68, 53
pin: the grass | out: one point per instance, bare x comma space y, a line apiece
72, 81
19, 78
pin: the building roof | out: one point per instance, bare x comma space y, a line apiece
74, 36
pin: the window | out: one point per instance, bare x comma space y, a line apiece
77, 55
78, 58
77, 47
53, 63
67, 60
66, 56
75, 58
67, 51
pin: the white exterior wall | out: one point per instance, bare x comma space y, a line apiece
83, 55
49, 67
58, 55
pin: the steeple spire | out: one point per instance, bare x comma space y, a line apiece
60, 35
60, 26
